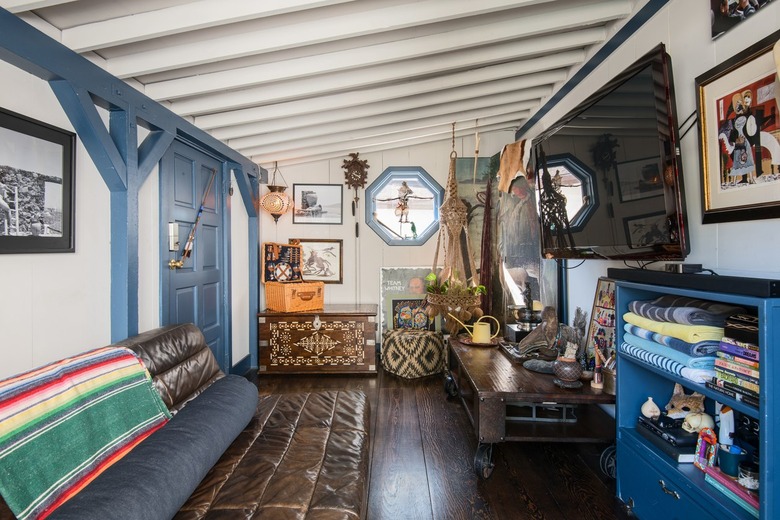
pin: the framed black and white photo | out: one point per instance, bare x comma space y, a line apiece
646, 230
37, 165
317, 203
321, 259
639, 179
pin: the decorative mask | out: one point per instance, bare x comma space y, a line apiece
681, 404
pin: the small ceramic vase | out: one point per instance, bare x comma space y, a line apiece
567, 369
650, 409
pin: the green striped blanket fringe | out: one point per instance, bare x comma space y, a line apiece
63, 424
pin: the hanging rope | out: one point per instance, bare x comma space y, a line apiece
458, 300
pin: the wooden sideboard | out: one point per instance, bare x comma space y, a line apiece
335, 339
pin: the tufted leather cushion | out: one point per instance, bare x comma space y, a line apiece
302, 456
180, 362
413, 353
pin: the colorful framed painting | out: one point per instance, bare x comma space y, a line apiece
601, 332
318, 203
402, 299
321, 259
740, 136
726, 14
37, 170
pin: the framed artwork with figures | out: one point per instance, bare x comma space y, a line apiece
601, 332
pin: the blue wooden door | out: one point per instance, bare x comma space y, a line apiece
197, 291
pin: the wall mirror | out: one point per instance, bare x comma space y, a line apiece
402, 205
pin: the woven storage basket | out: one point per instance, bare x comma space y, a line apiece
294, 296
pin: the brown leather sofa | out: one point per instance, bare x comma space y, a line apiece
302, 456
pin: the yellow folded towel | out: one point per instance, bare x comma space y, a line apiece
689, 333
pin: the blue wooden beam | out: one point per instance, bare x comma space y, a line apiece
151, 151
84, 117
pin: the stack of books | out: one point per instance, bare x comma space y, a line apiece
746, 499
736, 366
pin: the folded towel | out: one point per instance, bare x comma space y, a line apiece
687, 311
702, 348
689, 333
662, 350
697, 375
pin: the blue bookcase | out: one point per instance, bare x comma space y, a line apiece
649, 482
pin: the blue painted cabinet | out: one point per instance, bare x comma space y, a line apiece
650, 483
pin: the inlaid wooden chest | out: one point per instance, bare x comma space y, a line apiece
336, 339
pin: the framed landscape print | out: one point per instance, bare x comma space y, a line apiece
740, 136
37, 163
317, 203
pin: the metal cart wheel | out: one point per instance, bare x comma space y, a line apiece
483, 460
608, 462
450, 387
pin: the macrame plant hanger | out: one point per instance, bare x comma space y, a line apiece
458, 300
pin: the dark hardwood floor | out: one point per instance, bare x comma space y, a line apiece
422, 459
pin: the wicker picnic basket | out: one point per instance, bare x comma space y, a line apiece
294, 296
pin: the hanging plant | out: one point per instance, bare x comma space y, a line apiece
604, 154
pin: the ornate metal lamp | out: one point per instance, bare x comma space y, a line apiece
275, 201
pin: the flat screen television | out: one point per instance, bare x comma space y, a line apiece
608, 175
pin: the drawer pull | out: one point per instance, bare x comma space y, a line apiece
668, 491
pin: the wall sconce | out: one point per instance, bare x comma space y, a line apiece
275, 201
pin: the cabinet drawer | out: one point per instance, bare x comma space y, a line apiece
652, 493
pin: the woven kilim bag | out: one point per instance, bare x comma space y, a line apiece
412, 353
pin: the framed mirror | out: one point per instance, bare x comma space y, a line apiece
402, 205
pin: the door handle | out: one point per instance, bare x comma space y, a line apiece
175, 264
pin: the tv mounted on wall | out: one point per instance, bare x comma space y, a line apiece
609, 179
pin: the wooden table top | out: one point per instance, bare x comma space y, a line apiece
492, 374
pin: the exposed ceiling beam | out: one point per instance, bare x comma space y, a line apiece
409, 128
19, 6
304, 155
352, 82
372, 55
388, 120
378, 101
178, 19
310, 32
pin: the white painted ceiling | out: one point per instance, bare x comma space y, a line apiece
301, 80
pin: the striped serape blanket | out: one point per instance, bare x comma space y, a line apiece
63, 424
684, 310
689, 333
701, 348
662, 350
697, 375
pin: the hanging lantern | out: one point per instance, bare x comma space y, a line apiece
276, 202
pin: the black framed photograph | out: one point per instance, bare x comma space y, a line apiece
725, 14
37, 168
321, 259
646, 230
318, 203
639, 179
740, 136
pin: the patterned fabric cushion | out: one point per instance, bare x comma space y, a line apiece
63, 424
413, 353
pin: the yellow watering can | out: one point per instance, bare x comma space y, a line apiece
480, 331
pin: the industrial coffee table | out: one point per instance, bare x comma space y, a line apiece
505, 402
